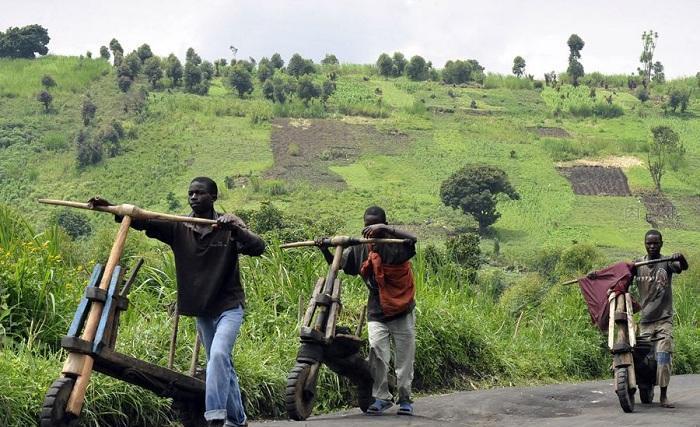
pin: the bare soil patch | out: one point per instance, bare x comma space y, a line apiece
552, 132
303, 149
596, 180
660, 210
624, 162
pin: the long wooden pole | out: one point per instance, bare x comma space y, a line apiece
342, 241
82, 363
129, 210
636, 264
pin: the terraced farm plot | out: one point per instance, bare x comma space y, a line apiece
304, 149
597, 180
551, 132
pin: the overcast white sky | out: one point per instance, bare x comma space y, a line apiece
493, 32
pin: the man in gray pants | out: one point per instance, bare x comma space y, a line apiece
386, 270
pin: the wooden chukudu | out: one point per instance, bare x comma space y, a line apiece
322, 342
98, 318
632, 364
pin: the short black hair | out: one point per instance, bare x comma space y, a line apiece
209, 183
376, 211
653, 232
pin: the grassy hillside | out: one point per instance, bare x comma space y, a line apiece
377, 141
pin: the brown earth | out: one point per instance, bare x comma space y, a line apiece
596, 180
624, 162
551, 132
303, 149
660, 210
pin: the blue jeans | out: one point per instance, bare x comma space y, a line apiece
223, 395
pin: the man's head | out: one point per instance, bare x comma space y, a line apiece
374, 215
653, 243
202, 194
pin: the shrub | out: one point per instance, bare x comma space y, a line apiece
578, 260
76, 224
525, 294
607, 111
464, 250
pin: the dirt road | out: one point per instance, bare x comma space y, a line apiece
572, 405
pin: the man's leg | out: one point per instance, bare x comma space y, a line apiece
222, 396
379, 356
664, 351
403, 330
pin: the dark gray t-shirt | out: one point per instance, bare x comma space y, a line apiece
392, 254
654, 284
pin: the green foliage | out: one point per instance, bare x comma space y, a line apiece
525, 294
577, 260
385, 65
576, 101
45, 98
241, 80
144, 52
116, 48
104, 53
518, 66
330, 59
464, 249
417, 69
75, 224
24, 42
152, 70
495, 81
265, 70
133, 61
307, 89
647, 57
48, 82
208, 70
474, 189
575, 69
88, 110
457, 72
399, 64
678, 97
276, 61
173, 69
299, 66
664, 147
88, 150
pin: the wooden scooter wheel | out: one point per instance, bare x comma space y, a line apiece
299, 397
625, 394
53, 411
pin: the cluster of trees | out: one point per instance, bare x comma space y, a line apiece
24, 42
458, 72
417, 69
93, 142
279, 84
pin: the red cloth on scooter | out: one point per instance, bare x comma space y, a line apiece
615, 278
395, 282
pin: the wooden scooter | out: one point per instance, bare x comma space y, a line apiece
97, 316
322, 342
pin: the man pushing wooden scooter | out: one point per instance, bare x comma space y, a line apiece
97, 315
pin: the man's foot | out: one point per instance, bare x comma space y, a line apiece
667, 404
405, 409
379, 406
216, 423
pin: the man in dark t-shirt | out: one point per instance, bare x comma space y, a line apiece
384, 321
209, 287
656, 319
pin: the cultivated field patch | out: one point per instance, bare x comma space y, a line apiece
660, 210
552, 132
624, 162
303, 149
596, 180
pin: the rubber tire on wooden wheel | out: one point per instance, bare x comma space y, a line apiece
53, 411
299, 402
646, 394
624, 393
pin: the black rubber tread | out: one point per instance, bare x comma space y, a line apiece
298, 403
646, 394
53, 412
624, 394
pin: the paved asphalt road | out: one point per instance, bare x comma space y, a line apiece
571, 405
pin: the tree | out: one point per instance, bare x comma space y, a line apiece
24, 42
456, 72
124, 83
268, 90
75, 224
45, 98
191, 56
144, 52
48, 82
664, 146
327, 89
417, 69
265, 70
153, 70
194, 81
518, 66
87, 152
88, 111
575, 69
299, 66
219, 66
133, 61
659, 76
276, 61
241, 80
117, 52
647, 57
464, 250
385, 65
173, 69
307, 89
399, 62
104, 52
207, 70
330, 59
677, 97
474, 189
